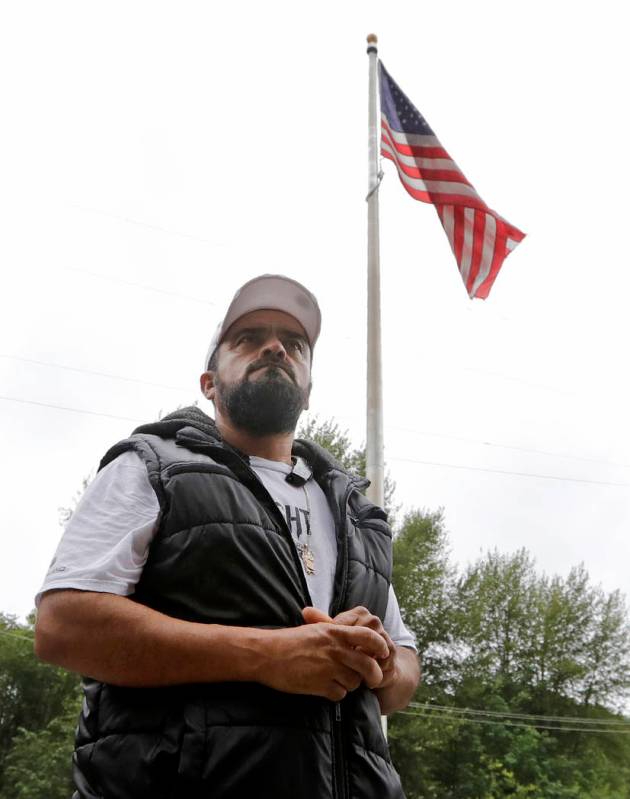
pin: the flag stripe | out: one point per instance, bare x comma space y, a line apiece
408, 144
459, 233
436, 191
479, 237
498, 257
424, 163
448, 222
467, 249
488, 246
479, 226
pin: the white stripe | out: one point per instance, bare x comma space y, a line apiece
489, 237
448, 221
427, 163
511, 244
434, 186
469, 227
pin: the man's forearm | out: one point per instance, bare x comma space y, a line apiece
397, 695
114, 639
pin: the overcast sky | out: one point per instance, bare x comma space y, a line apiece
154, 156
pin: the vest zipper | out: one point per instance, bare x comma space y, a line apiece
341, 785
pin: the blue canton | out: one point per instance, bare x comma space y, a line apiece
401, 113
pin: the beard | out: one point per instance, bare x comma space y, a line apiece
267, 406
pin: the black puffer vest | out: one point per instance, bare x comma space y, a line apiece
224, 555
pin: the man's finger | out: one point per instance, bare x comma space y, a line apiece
360, 616
315, 615
369, 641
364, 666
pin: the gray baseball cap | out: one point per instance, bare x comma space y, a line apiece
276, 293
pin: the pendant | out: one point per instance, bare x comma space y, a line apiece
308, 558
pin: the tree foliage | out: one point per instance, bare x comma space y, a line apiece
511, 640
328, 434
39, 706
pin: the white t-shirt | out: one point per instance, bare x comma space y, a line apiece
106, 542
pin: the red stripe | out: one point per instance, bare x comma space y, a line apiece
420, 152
458, 237
436, 197
477, 249
512, 232
425, 173
500, 253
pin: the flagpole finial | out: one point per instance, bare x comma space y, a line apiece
372, 40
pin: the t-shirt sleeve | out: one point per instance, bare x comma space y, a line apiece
106, 542
394, 624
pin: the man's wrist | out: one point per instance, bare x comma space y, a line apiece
248, 651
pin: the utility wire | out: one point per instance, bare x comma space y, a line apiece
467, 440
460, 720
508, 446
150, 226
391, 427
511, 473
71, 410
92, 372
113, 279
406, 460
474, 711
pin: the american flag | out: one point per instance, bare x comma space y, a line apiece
479, 237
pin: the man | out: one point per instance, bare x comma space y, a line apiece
226, 589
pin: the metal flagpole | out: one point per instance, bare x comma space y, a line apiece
374, 433
375, 469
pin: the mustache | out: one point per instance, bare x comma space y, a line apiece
260, 364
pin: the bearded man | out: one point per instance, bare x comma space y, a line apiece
225, 591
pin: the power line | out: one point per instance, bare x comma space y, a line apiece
113, 279
92, 372
508, 446
511, 473
447, 436
460, 720
508, 714
467, 440
406, 460
520, 380
71, 410
129, 221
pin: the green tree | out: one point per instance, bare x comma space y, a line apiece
33, 696
38, 763
328, 434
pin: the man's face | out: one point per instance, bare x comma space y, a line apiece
263, 378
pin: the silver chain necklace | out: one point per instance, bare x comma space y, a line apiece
306, 553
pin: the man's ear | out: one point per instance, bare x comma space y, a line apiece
208, 389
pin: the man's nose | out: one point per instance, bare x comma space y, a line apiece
275, 348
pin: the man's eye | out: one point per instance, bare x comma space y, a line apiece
297, 344
244, 338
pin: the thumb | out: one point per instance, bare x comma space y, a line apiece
314, 615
